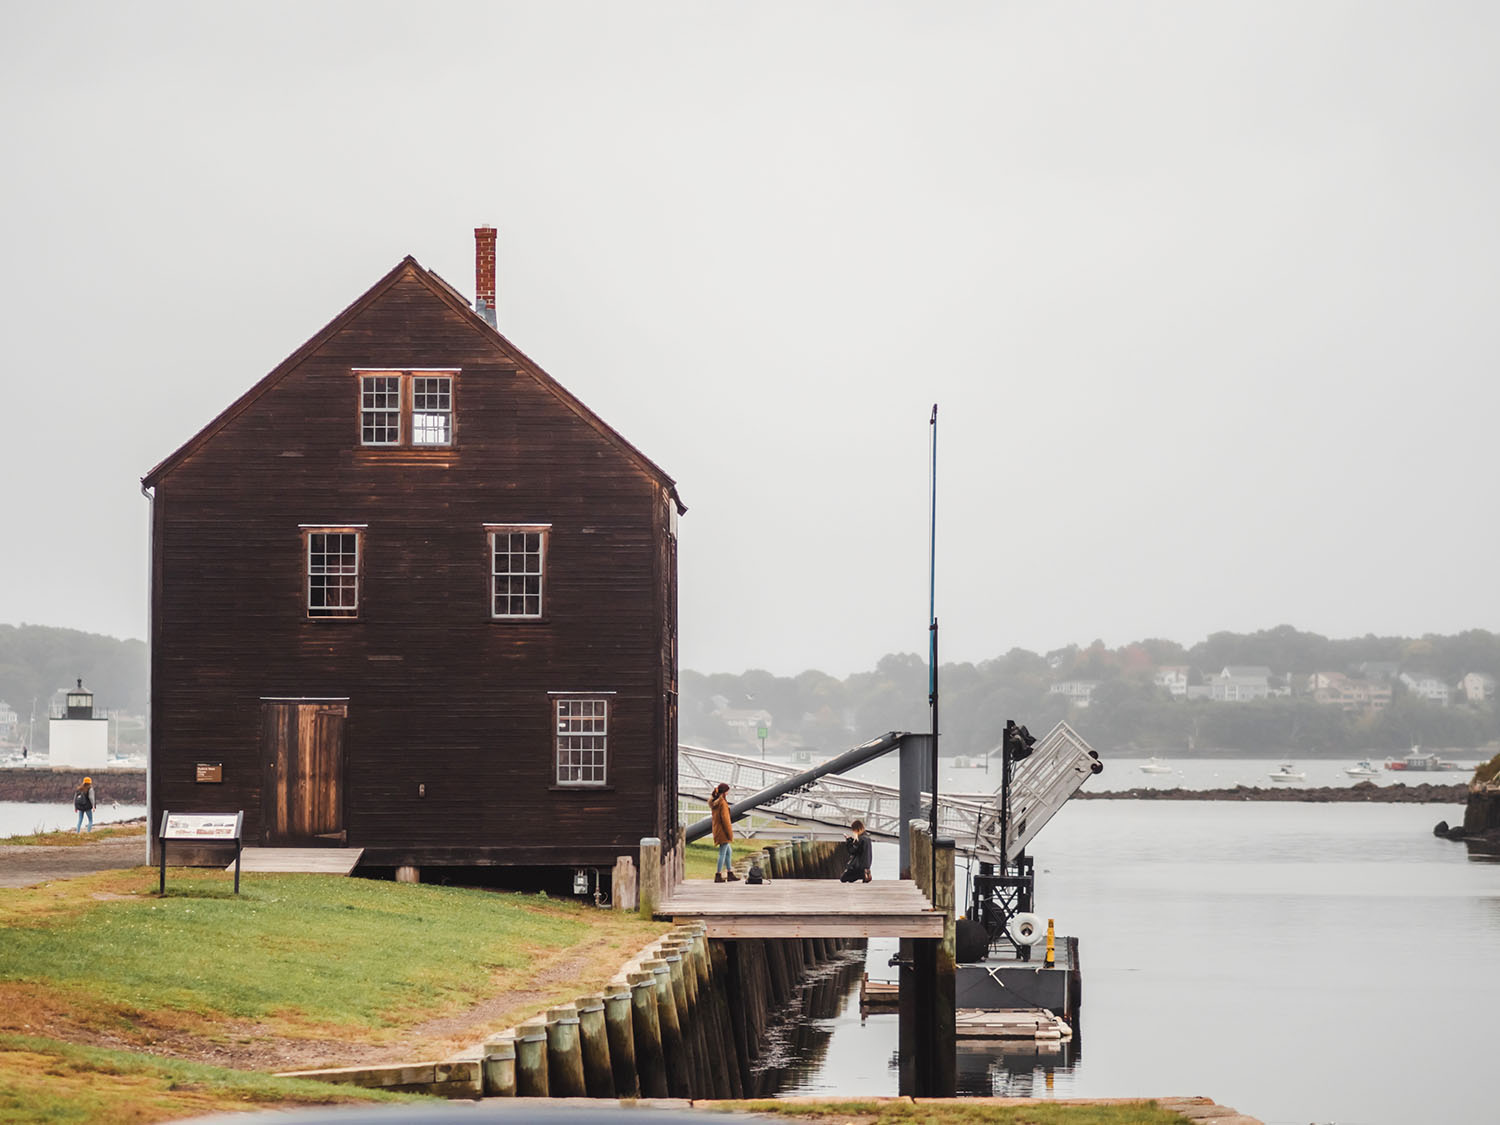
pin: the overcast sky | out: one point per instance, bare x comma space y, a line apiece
1206, 293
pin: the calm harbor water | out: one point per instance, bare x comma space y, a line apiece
1303, 963
22, 818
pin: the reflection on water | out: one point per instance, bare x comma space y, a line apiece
797, 1044
1261, 954
1014, 1069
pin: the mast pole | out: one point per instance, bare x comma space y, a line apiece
932, 628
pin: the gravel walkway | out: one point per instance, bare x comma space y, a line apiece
24, 865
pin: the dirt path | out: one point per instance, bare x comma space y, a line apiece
23, 865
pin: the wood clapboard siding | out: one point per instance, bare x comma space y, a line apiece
449, 737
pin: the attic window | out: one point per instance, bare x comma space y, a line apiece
406, 408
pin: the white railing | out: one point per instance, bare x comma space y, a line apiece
1040, 785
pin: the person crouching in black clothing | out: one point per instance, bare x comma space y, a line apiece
860, 855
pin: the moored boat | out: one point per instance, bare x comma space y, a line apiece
1156, 765
1362, 768
1287, 772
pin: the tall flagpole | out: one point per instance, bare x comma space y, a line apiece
932, 656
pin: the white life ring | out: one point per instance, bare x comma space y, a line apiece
1025, 929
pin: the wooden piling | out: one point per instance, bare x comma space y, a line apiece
674, 1052
686, 1019
598, 1074
408, 874
624, 889
531, 1060
695, 966
729, 1046
498, 1071
564, 1054
944, 998
620, 1033
650, 876
645, 1022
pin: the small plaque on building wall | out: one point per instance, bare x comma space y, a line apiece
211, 771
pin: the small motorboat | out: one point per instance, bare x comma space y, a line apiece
1362, 768
1287, 772
1156, 765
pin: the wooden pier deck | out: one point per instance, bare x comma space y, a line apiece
798, 908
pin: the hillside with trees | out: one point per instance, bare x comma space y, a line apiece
1127, 710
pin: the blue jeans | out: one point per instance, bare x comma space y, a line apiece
726, 857
85, 813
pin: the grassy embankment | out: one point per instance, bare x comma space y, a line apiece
99, 979
67, 838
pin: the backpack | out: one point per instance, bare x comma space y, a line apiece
755, 875
81, 800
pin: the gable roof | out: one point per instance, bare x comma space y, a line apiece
409, 267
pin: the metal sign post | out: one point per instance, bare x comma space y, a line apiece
201, 827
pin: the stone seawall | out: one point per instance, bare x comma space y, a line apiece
44, 785
1426, 793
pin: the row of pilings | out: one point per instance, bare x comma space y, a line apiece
689, 1016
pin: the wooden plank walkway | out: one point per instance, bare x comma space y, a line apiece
308, 861
805, 908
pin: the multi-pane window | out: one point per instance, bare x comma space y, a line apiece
517, 565
380, 410
401, 408
582, 741
431, 410
333, 573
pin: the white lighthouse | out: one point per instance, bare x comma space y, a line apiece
79, 740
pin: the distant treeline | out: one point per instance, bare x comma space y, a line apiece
36, 660
1127, 711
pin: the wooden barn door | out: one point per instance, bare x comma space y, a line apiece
302, 750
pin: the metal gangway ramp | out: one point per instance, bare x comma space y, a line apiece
819, 798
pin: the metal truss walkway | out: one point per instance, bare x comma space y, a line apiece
1040, 785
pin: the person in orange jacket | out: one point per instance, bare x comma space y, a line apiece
718, 805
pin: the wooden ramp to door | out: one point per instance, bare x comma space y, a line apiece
307, 861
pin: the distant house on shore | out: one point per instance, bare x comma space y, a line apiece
1077, 692
1238, 683
1174, 678
1334, 689
1430, 688
1476, 686
409, 594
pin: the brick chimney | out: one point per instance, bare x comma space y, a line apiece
484, 273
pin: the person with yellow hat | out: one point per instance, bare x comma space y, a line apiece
84, 801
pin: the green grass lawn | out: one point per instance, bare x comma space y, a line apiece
701, 857
67, 838
309, 950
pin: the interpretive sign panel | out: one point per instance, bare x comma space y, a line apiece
211, 772
203, 828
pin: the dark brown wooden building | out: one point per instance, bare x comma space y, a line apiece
410, 595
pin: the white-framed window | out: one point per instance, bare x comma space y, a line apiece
432, 410
333, 560
380, 409
582, 739
406, 408
518, 567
